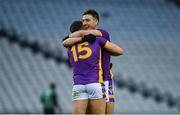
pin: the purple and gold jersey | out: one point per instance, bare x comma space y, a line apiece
86, 61
106, 58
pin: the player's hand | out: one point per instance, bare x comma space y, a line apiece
111, 65
89, 38
65, 38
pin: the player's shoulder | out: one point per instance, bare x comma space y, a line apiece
103, 30
100, 40
105, 33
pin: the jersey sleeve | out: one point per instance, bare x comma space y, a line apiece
102, 41
105, 34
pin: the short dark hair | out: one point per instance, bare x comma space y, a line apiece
92, 12
75, 26
52, 85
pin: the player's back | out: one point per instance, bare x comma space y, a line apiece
86, 61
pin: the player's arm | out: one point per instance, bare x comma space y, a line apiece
82, 33
55, 100
110, 47
75, 37
42, 98
71, 41
113, 49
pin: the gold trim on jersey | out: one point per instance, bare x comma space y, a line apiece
111, 73
111, 96
106, 44
100, 68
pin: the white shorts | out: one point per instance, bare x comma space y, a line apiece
109, 89
88, 91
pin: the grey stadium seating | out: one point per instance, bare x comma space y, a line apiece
148, 30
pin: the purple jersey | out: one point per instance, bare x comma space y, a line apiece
106, 58
86, 61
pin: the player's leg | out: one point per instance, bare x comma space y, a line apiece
79, 106
109, 96
96, 103
104, 96
97, 106
80, 99
109, 107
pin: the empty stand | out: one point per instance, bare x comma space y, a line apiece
148, 30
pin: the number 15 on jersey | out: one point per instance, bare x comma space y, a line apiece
77, 49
